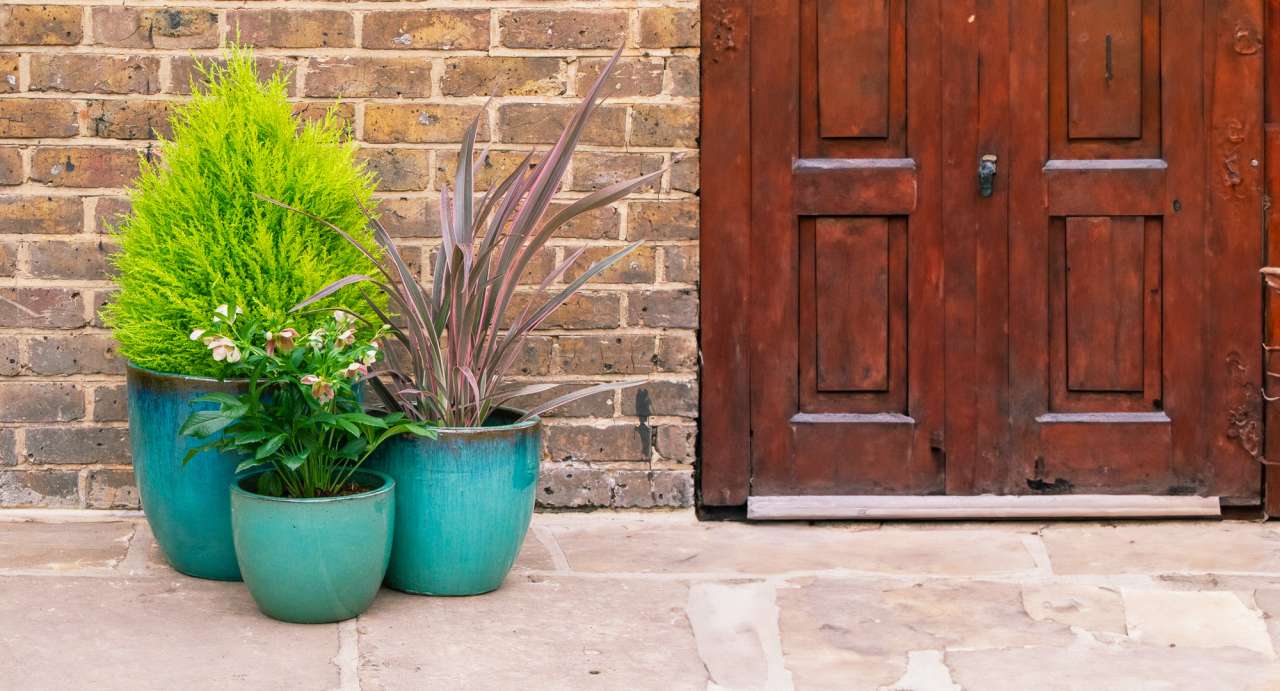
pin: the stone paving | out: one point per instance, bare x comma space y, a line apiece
660, 601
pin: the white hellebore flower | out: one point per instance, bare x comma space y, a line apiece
309, 379
195, 335
347, 337
224, 349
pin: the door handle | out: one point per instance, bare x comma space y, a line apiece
987, 175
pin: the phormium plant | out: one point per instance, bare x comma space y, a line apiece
461, 334
197, 236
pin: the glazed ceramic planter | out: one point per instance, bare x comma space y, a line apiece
314, 561
463, 504
187, 506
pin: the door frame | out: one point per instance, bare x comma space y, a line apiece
1233, 88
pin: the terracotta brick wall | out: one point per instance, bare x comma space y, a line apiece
83, 89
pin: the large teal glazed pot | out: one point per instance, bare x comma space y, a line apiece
314, 561
186, 506
463, 505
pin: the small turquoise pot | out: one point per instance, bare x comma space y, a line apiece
464, 504
314, 561
186, 506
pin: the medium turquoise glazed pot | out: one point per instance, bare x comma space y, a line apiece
463, 504
187, 506
314, 561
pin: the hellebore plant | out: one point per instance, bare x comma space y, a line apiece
301, 415
460, 335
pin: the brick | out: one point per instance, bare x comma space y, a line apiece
44, 488
534, 358
409, 217
535, 271
369, 77
631, 77
677, 352
647, 489
677, 443
582, 311
665, 220
685, 175
663, 308
434, 29
496, 167
183, 71
566, 486
8, 447
8, 73
124, 27
661, 398
117, 119
664, 125
32, 215
100, 74
110, 403
563, 29
78, 354
78, 445
685, 80
399, 170
293, 28
680, 264
603, 223
40, 402
112, 488
54, 308
84, 166
607, 354
71, 260
502, 76
26, 117
589, 442
593, 170
40, 25
395, 123
669, 27
542, 123
315, 111
595, 405
10, 364
636, 267
8, 258
99, 299
109, 212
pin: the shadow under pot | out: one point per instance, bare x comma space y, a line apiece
186, 505
314, 561
463, 503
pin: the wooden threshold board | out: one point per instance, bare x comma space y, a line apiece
881, 507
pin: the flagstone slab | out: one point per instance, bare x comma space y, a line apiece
63, 546
847, 634
159, 633
536, 632
1169, 546
1092, 608
1190, 619
534, 555
764, 548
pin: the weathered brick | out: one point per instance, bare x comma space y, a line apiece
399, 170
593, 170
78, 445
343, 111
395, 123
661, 398
8, 448
100, 74
632, 77
78, 354
44, 488
542, 123
112, 488
567, 486
109, 212
685, 175
40, 25
636, 267
409, 217
666, 220
603, 223
68, 259
669, 27
502, 76
563, 29
677, 352
685, 80
10, 364
534, 358
99, 299
110, 403
597, 442
677, 443
434, 29
582, 311
593, 354
681, 264
495, 168
168, 27
28, 117
8, 258
118, 119
371, 77
184, 71
664, 125
40, 401
8, 73
669, 308
84, 166
279, 28
28, 307
30, 215
647, 489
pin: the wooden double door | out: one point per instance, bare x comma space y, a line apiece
990, 246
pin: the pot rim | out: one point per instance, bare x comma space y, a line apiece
188, 377
533, 421
388, 485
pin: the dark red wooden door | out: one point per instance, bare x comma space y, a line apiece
1086, 327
